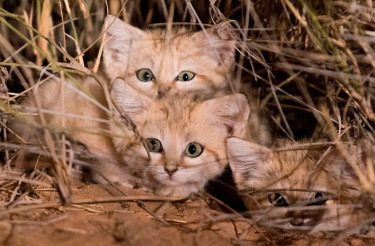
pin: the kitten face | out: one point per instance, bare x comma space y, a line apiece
155, 63
281, 182
185, 136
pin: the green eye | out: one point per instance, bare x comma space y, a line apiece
185, 76
277, 199
145, 75
193, 150
154, 145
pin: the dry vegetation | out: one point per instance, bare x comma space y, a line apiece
310, 62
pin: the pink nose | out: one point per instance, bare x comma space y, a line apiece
170, 170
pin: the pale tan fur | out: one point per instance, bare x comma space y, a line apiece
175, 120
209, 55
81, 122
258, 169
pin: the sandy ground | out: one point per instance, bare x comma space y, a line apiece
125, 223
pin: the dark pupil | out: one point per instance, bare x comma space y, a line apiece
318, 195
192, 149
153, 144
185, 77
146, 76
278, 198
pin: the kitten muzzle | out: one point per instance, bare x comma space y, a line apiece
170, 170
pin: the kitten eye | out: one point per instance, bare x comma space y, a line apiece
144, 75
193, 150
318, 195
154, 145
319, 199
185, 76
277, 199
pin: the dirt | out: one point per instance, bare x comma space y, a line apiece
125, 223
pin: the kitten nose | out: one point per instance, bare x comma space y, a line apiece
162, 90
170, 170
297, 222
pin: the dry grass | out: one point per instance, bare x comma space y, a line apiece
310, 63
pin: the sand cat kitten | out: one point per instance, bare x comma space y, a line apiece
185, 136
281, 182
184, 133
86, 122
156, 63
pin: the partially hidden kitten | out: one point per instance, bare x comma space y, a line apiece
156, 62
183, 133
286, 189
82, 118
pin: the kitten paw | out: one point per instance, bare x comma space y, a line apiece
176, 191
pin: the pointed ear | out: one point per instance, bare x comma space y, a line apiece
246, 160
219, 42
231, 112
118, 38
361, 155
129, 101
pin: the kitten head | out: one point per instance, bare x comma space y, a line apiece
277, 184
157, 63
184, 135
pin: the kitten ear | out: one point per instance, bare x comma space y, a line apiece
129, 101
246, 159
118, 38
219, 42
360, 155
231, 112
